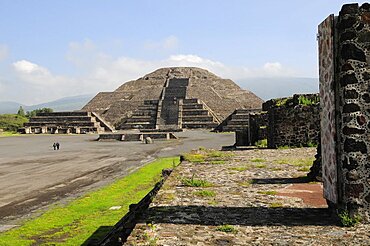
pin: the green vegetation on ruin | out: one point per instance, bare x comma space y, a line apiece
209, 156
261, 143
74, 223
227, 229
268, 192
258, 160
193, 182
276, 205
302, 100
204, 193
11, 122
346, 220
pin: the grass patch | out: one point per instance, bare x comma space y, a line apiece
240, 169
261, 166
205, 193
246, 183
258, 160
276, 205
193, 182
74, 223
227, 229
304, 169
206, 155
217, 162
346, 220
268, 192
261, 143
300, 162
9, 134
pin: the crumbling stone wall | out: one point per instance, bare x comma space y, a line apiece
293, 121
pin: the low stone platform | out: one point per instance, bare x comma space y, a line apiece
137, 136
254, 197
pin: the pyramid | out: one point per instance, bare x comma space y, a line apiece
175, 97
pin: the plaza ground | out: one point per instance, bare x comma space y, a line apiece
33, 175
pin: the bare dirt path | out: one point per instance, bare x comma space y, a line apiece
33, 175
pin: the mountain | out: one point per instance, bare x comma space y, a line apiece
63, 104
268, 88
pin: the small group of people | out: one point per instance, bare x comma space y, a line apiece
56, 146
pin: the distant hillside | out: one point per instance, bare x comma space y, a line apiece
268, 88
63, 104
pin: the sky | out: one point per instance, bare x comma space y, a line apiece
51, 49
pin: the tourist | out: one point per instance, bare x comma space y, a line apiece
54, 146
57, 145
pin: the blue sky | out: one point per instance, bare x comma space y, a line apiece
50, 49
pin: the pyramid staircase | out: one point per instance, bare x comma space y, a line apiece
238, 120
173, 111
67, 122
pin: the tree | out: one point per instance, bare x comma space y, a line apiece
21, 111
35, 112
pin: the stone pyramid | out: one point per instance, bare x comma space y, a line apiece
175, 97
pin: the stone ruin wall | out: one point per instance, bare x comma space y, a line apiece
291, 123
353, 95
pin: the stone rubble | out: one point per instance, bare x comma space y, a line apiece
251, 194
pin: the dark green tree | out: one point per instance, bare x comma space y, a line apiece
21, 111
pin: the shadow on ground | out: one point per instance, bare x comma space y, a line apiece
97, 236
246, 216
299, 180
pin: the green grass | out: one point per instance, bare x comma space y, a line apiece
261, 143
260, 165
11, 122
275, 205
267, 192
227, 229
240, 169
348, 221
206, 155
205, 193
9, 134
74, 223
258, 160
303, 163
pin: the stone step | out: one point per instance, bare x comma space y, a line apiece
240, 116
148, 107
192, 106
194, 112
191, 101
151, 102
197, 118
62, 124
233, 128
60, 118
193, 125
72, 113
237, 122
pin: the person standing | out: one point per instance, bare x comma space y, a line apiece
54, 146
57, 145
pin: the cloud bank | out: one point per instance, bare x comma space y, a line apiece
100, 71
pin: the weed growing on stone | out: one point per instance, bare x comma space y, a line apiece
258, 160
194, 157
246, 183
267, 192
304, 169
203, 155
261, 166
275, 205
261, 143
193, 182
302, 100
346, 220
227, 229
240, 169
205, 193
217, 162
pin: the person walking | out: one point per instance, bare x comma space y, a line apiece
54, 146
57, 145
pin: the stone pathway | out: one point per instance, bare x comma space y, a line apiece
254, 197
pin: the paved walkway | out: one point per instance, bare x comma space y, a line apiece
255, 197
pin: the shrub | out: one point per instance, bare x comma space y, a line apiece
348, 221
227, 229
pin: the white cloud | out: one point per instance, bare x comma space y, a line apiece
98, 71
4, 52
167, 44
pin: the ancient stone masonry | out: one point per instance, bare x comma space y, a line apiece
67, 122
344, 46
293, 121
178, 97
